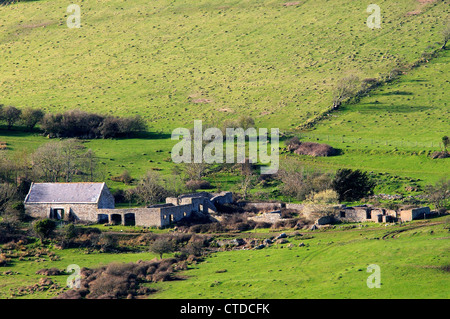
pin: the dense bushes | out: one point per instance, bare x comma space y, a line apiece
72, 123
119, 281
89, 125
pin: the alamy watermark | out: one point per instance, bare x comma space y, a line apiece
374, 20
74, 280
74, 20
374, 280
192, 149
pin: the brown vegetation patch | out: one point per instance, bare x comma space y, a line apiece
201, 101
36, 25
49, 272
120, 280
413, 13
443, 154
290, 4
315, 149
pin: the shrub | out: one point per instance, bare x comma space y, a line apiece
49, 272
80, 124
44, 228
162, 246
125, 178
10, 115
9, 230
107, 242
30, 117
193, 185
70, 231
352, 185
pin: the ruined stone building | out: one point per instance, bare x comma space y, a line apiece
93, 202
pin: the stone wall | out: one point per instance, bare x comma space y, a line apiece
324, 220
413, 214
354, 214
298, 207
86, 212
270, 218
222, 198
106, 199
267, 206
175, 213
143, 216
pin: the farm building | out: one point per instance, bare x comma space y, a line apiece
415, 213
93, 202
68, 201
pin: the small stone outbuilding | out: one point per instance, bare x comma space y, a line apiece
68, 201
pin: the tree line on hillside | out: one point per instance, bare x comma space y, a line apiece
73, 123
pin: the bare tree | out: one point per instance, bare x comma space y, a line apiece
48, 162
247, 183
195, 171
89, 165
162, 245
439, 194
70, 151
63, 160
150, 189
345, 89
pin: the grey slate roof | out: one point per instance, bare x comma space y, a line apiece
64, 193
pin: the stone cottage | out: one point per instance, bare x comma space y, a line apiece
68, 201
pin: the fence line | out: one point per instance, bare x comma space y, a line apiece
324, 138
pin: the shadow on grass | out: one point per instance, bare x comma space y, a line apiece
20, 131
396, 93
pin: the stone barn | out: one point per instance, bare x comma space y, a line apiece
93, 202
68, 201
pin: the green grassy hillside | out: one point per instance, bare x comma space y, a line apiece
175, 61
333, 264
413, 261
395, 128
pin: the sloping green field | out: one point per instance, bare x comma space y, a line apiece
175, 61
333, 264
413, 260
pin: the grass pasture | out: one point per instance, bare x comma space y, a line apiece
413, 260
175, 61
333, 264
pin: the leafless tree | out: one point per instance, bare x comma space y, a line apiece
63, 160
439, 194
345, 89
150, 189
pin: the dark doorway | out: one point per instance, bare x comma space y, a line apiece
102, 219
129, 219
116, 219
57, 213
